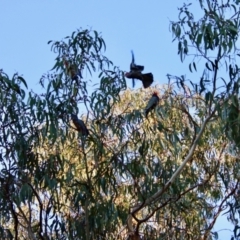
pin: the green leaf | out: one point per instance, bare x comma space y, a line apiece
56, 65
23, 81
207, 66
190, 67
199, 39
208, 97
25, 193
179, 47
194, 65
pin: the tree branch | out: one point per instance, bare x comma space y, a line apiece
219, 211
158, 194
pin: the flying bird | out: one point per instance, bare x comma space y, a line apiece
80, 125
136, 73
152, 103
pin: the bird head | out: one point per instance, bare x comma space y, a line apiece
126, 74
74, 117
155, 93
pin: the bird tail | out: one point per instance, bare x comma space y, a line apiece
147, 79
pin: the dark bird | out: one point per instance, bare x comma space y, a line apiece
136, 72
152, 103
135, 68
80, 125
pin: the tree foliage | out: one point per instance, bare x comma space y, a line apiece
167, 176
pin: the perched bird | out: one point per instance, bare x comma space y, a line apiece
72, 70
79, 124
136, 72
152, 103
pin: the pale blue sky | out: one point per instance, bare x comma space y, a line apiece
27, 26
143, 26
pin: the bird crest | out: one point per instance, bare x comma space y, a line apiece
155, 93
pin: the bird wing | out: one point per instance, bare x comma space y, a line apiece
146, 78
135, 67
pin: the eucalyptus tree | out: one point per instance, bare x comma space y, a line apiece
123, 171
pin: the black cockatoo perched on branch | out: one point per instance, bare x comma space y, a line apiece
136, 72
80, 125
152, 103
